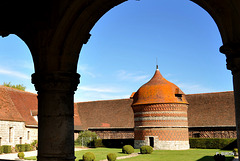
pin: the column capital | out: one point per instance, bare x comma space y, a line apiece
56, 81
232, 52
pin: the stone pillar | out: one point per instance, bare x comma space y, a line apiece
232, 52
55, 115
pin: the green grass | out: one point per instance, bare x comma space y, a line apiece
100, 153
31, 158
180, 155
157, 155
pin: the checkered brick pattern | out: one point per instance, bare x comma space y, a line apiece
160, 107
162, 123
162, 114
164, 134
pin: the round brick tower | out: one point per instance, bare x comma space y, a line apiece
160, 115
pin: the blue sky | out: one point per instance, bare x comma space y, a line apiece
121, 53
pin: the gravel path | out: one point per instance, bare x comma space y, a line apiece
13, 156
123, 157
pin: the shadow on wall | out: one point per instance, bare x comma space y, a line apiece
210, 158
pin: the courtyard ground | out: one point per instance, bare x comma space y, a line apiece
157, 155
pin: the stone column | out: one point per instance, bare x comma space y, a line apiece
55, 115
232, 52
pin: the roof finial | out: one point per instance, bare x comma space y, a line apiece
156, 63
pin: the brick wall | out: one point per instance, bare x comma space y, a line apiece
213, 132
167, 134
110, 134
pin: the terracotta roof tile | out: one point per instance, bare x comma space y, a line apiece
77, 120
211, 109
18, 103
110, 113
8, 110
158, 90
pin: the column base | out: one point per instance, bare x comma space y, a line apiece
55, 158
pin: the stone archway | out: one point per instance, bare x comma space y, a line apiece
55, 31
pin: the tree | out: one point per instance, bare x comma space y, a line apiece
17, 86
86, 138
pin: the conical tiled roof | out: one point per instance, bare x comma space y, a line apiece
158, 90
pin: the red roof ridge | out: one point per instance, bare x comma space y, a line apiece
10, 88
209, 93
103, 100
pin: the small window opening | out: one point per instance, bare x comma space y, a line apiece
20, 140
28, 135
0, 141
196, 135
179, 96
10, 134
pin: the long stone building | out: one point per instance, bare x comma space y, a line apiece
18, 116
210, 115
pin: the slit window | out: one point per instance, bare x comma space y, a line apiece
10, 134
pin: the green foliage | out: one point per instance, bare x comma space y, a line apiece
21, 155
18, 86
7, 148
28, 147
1, 150
86, 138
34, 145
146, 149
20, 147
98, 143
111, 157
127, 149
209, 143
88, 156
23, 147
235, 151
219, 157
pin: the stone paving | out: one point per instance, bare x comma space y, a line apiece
13, 156
123, 157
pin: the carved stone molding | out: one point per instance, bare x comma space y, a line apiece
57, 81
232, 52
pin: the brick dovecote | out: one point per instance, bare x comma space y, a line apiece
160, 115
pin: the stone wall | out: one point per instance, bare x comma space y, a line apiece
31, 134
163, 145
12, 133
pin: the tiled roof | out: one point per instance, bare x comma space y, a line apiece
211, 109
16, 105
158, 90
109, 113
77, 120
8, 109
205, 110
